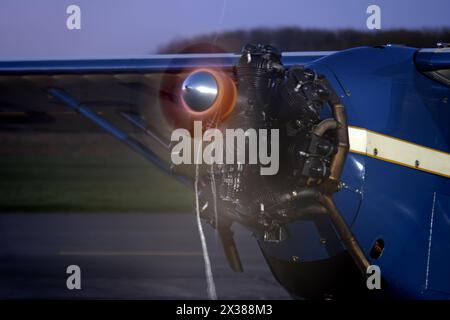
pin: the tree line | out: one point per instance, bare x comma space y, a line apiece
298, 39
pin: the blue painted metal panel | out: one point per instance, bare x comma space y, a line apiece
433, 59
438, 273
303, 242
348, 199
397, 208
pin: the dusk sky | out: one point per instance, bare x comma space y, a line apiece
37, 28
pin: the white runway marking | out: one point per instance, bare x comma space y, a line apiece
212, 294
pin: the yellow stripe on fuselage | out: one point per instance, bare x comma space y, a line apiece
397, 151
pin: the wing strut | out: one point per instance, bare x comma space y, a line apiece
116, 132
137, 121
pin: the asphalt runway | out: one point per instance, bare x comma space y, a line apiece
124, 256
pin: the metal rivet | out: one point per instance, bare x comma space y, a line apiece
295, 259
323, 241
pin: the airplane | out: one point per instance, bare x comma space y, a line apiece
364, 151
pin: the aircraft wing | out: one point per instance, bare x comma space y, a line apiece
120, 96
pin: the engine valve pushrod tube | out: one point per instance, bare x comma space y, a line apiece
117, 133
324, 126
337, 166
346, 235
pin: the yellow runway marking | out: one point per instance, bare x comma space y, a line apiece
130, 253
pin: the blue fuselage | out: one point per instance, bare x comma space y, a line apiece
409, 209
